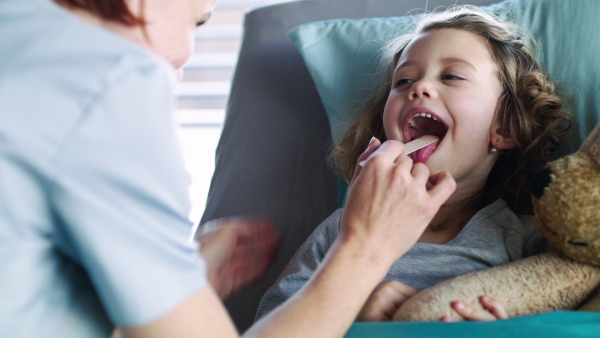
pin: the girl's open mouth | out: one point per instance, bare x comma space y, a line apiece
424, 123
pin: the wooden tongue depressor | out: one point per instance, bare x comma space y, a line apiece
419, 143
414, 145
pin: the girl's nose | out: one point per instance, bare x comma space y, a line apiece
422, 89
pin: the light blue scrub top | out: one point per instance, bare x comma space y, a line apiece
93, 190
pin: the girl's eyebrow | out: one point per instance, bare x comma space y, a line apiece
403, 64
459, 61
445, 61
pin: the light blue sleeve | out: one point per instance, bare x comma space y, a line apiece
120, 200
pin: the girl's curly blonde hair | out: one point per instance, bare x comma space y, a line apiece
529, 110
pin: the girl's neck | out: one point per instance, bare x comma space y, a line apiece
452, 217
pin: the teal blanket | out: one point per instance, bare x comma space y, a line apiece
547, 325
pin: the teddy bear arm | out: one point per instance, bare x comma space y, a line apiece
540, 283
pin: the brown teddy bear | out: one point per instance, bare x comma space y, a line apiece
567, 212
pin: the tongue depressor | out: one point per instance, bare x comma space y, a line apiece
414, 145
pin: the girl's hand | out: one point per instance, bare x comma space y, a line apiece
493, 310
237, 251
384, 301
389, 205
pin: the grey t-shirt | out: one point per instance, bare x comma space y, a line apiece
494, 236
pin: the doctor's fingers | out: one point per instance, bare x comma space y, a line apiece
374, 144
385, 156
443, 187
421, 173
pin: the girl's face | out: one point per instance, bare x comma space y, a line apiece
446, 84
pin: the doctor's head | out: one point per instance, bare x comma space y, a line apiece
164, 26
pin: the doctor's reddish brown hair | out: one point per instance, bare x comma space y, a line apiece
111, 10
529, 109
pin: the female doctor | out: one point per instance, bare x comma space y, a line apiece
93, 190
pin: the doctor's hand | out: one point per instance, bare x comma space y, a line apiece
389, 205
237, 251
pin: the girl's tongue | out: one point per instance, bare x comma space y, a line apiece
421, 155
424, 124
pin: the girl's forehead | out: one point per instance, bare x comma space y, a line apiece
447, 44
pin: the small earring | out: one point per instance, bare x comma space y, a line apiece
493, 150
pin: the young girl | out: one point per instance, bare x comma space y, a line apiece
468, 79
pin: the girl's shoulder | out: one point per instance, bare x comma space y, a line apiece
496, 219
325, 234
330, 227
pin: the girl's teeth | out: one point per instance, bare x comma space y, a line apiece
411, 121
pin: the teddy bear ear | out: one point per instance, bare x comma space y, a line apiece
539, 181
591, 146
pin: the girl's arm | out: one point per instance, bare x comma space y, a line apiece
385, 301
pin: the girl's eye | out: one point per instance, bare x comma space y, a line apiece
450, 77
402, 82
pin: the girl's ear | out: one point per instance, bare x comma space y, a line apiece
499, 139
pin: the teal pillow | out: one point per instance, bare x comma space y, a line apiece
341, 55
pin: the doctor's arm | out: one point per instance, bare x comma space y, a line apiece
371, 239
